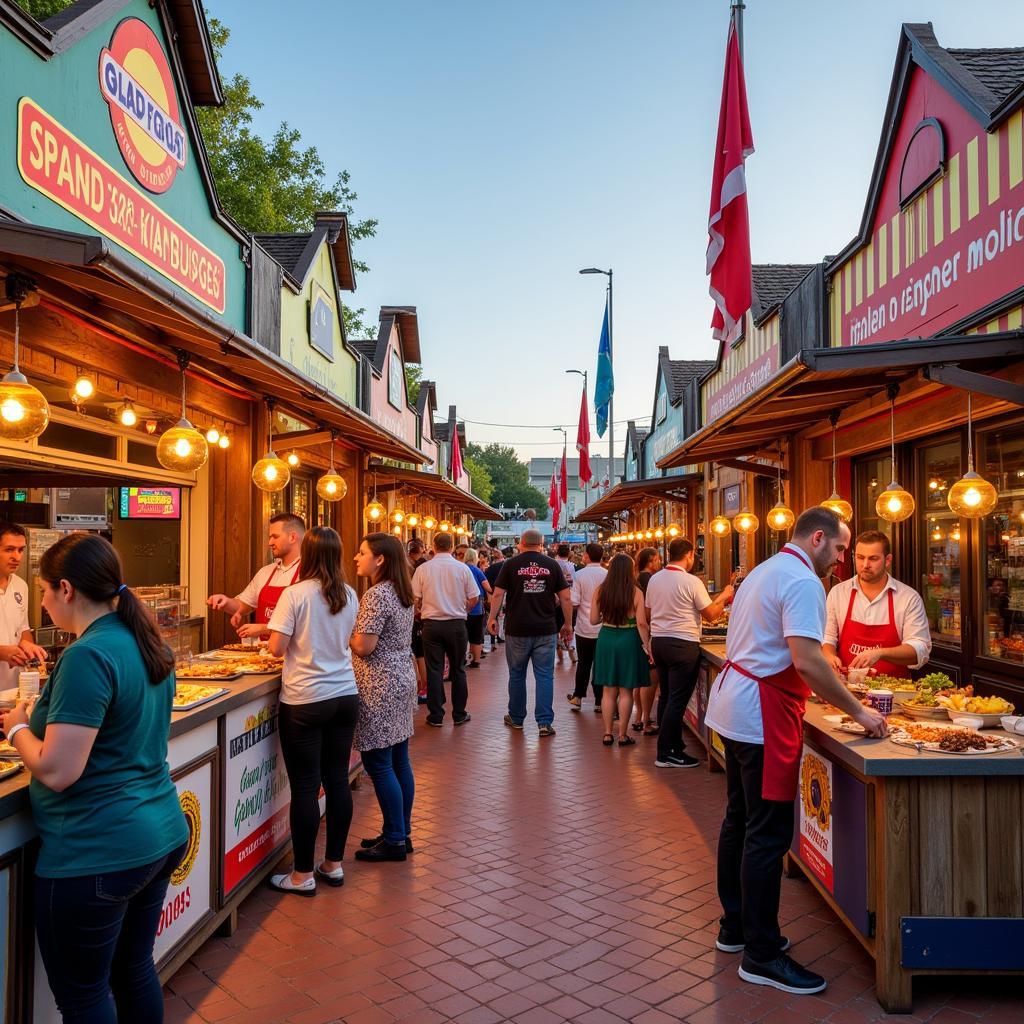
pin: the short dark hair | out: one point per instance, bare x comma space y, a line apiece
415, 546
595, 553
15, 528
644, 557
442, 542
291, 522
818, 518
679, 548
875, 537
563, 550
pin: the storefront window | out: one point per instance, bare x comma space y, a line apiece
940, 542
300, 498
1002, 546
277, 502
870, 475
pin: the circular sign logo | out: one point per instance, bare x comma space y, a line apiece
136, 82
815, 791
193, 815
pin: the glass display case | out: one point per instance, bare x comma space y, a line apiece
169, 605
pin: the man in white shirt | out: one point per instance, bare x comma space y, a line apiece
445, 591
16, 645
584, 583
267, 586
874, 621
773, 657
676, 603
562, 553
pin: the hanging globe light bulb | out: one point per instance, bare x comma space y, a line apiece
834, 502
397, 529
24, 411
720, 526
212, 435
445, 526
649, 535
659, 534
224, 441
128, 416
271, 473
894, 504
972, 496
429, 522
398, 515
673, 530
293, 459
781, 517
412, 520
182, 447
375, 512
746, 522
331, 486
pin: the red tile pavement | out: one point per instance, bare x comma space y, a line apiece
554, 880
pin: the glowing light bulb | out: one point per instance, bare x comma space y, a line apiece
331, 487
12, 410
270, 473
182, 447
128, 415
213, 435
82, 389
224, 441
293, 459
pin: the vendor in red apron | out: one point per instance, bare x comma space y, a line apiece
260, 597
874, 621
756, 705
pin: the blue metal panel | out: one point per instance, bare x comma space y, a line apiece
962, 943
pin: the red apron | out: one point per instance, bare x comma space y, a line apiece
783, 702
856, 637
269, 596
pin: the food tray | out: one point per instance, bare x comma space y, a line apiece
241, 648
935, 714
902, 739
10, 768
8, 752
188, 705
192, 678
252, 669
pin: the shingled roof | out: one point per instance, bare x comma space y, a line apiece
286, 249
772, 283
679, 372
296, 250
1000, 70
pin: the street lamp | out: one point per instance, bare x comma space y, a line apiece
586, 483
611, 358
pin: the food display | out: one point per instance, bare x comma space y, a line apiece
258, 666
978, 705
1012, 647
191, 695
929, 694
949, 739
8, 752
256, 648
206, 670
9, 768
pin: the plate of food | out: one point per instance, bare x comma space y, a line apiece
8, 767
211, 671
990, 710
947, 738
244, 648
923, 706
844, 723
261, 665
8, 751
191, 695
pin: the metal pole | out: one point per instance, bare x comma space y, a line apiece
738, 6
586, 483
611, 400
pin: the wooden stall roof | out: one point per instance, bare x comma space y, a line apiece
81, 274
435, 486
817, 381
625, 495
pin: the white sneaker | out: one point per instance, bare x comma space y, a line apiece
284, 883
335, 877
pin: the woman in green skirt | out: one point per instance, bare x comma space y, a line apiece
621, 662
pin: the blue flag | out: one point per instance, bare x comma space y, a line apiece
605, 386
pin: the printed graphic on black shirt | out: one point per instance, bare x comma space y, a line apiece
532, 582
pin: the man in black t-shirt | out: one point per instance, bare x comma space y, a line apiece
533, 586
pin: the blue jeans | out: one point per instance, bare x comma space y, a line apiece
393, 782
96, 935
519, 652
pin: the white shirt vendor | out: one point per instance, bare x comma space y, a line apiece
267, 586
13, 623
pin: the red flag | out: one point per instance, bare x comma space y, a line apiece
553, 502
728, 256
583, 441
456, 459
563, 481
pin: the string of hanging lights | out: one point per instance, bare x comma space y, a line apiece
331, 486
375, 512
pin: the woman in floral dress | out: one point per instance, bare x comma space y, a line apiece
386, 679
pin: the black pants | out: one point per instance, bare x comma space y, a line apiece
678, 662
586, 648
316, 740
756, 834
445, 637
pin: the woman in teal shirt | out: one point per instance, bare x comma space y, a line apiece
106, 809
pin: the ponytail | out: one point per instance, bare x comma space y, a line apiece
92, 566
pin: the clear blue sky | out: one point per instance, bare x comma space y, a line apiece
503, 146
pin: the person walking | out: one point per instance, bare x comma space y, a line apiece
562, 552
648, 562
622, 657
417, 557
491, 572
103, 802
445, 591
585, 583
475, 619
533, 587
387, 690
319, 707
773, 661
676, 602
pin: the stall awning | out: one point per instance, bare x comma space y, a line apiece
625, 496
82, 275
817, 381
435, 486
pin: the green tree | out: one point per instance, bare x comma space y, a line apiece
480, 478
413, 376
43, 9
510, 477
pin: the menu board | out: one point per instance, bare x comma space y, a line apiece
256, 791
190, 895
150, 503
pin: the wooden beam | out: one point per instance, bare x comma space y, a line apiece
976, 383
753, 467
302, 438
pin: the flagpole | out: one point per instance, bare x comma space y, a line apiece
738, 7
611, 397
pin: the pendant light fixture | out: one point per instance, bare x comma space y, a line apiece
293, 460
331, 486
746, 522
24, 411
398, 513
375, 512
837, 504
224, 441
659, 534
127, 416
444, 526
895, 504
271, 473
397, 529
781, 517
182, 447
83, 389
212, 435
412, 520
673, 530
972, 496
720, 526
429, 522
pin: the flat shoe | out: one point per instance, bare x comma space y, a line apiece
627, 741
283, 883
651, 731
335, 878
637, 726
608, 739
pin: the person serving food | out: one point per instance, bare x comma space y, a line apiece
873, 620
267, 586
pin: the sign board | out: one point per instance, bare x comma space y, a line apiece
150, 503
396, 382
256, 790
321, 320
815, 801
743, 384
190, 894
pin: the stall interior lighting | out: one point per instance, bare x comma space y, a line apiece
83, 389
331, 486
375, 512
429, 522
182, 447
834, 501
224, 441
293, 459
972, 496
673, 530
746, 523
720, 526
271, 473
895, 503
127, 416
212, 435
782, 517
24, 411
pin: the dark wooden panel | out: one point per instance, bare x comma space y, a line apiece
935, 847
265, 301
803, 322
970, 896
1003, 833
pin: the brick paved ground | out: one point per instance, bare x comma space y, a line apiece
554, 880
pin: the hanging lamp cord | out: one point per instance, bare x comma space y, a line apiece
17, 311
970, 431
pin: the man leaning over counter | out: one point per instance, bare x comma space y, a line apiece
16, 645
873, 620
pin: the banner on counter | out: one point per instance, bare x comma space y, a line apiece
256, 791
61, 167
189, 895
816, 793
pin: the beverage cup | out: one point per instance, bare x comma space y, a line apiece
881, 701
28, 684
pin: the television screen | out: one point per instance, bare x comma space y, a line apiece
150, 503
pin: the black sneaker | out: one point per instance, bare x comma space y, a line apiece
435, 722
730, 942
421, 700
511, 723
382, 851
783, 973
463, 720
676, 761
473, 664
366, 844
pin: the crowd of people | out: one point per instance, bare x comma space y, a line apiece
354, 669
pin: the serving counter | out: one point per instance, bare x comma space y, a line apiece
921, 855
225, 759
